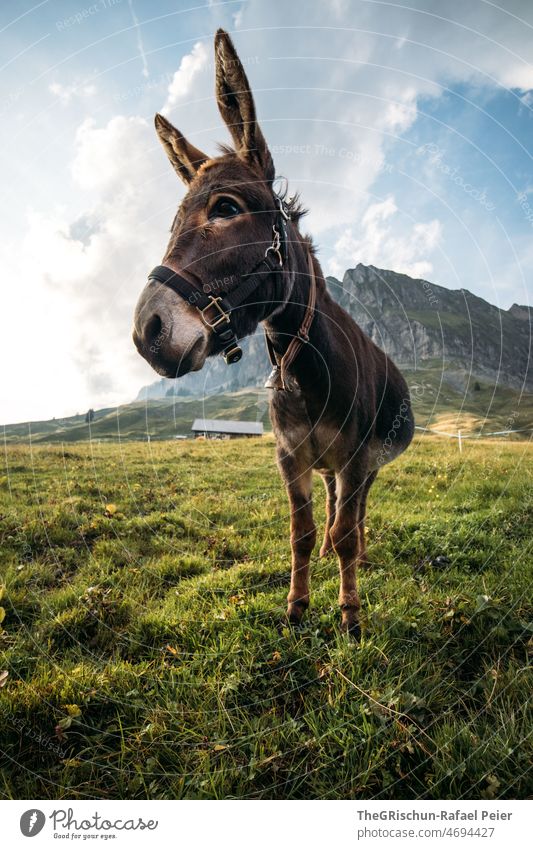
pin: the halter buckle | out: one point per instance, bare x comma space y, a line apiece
232, 355
223, 317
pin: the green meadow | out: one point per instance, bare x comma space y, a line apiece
144, 652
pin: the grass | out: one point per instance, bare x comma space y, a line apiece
144, 587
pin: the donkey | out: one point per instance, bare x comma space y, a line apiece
236, 258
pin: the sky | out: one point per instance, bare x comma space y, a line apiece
406, 128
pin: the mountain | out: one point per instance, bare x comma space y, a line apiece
251, 371
418, 322
421, 325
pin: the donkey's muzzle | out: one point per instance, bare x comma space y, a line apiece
168, 332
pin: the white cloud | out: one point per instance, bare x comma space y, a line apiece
65, 93
113, 156
384, 240
181, 85
84, 276
401, 114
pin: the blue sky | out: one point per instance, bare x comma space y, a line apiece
406, 129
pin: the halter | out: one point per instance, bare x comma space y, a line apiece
216, 309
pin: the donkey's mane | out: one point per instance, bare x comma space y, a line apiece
294, 206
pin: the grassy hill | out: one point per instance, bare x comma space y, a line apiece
439, 403
456, 402
162, 419
146, 657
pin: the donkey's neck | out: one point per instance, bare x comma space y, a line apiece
313, 368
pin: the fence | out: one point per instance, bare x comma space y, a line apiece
460, 436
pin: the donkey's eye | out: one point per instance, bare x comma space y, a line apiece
225, 208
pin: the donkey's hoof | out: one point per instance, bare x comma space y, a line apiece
352, 631
350, 623
295, 612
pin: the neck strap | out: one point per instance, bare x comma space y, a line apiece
280, 365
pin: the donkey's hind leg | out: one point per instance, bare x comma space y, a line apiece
298, 481
331, 503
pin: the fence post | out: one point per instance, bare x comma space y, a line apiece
460, 442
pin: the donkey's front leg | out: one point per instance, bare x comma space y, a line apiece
362, 556
345, 536
298, 481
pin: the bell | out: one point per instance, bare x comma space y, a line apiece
274, 380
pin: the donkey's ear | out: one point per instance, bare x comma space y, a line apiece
184, 156
237, 107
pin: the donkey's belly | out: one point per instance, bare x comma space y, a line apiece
385, 448
324, 446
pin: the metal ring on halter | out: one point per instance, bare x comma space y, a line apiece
275, 251
275, 246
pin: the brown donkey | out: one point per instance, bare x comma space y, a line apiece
236, 258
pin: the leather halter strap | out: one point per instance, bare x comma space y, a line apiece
216, 309
278, 377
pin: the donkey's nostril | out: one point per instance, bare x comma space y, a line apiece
153, 331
